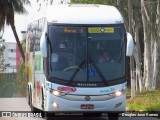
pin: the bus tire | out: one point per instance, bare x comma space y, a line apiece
113, 116
33, 109
28, 96
92, 114
42, 97
42, 114
42, 105
49, 116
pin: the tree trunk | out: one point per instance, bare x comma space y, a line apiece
132, 73
158, 65
158, 46
2, 66
147, 63
18, 42
147, 51
118, 3
155, 64
151, 42
137, 56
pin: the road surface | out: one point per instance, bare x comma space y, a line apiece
20, 104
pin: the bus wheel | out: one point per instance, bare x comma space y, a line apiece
33, 109
49, 116
113, 116
92, 114
28, 97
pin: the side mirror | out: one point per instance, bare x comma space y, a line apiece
130, 45
43, 45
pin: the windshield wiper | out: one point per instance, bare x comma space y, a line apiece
77, 70
99, 73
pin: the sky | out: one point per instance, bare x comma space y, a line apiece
21, 21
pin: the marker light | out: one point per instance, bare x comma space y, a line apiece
67, 89
118, 93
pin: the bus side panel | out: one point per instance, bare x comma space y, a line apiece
29, 60
34, 60
39, 79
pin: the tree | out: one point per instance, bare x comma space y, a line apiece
150, 17
7, 12
1, 56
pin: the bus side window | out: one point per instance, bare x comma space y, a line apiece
45, 66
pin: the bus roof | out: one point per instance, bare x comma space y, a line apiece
83, 14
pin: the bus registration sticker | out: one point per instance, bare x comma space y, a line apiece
101, 30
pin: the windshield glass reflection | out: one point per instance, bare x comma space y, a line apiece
98, 57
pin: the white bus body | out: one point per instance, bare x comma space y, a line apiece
77, 34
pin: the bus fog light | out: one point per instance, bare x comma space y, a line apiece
54, 104
118, 93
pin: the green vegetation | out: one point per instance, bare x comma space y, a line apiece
21, 81
7, 86
1, 56
145, 101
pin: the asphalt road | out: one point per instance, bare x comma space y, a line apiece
20, 104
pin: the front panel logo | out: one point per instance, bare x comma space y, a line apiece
87, 98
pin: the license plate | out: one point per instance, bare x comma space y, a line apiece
87, 106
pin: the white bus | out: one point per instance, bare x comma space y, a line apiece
76, 60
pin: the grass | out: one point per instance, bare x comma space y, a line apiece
144, 101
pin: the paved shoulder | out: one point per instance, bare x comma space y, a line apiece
14, 104
20, 104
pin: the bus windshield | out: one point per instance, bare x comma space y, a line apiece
86, 54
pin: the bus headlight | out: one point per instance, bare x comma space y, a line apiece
56, 93
118, 93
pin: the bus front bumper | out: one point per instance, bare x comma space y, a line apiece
57, 104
